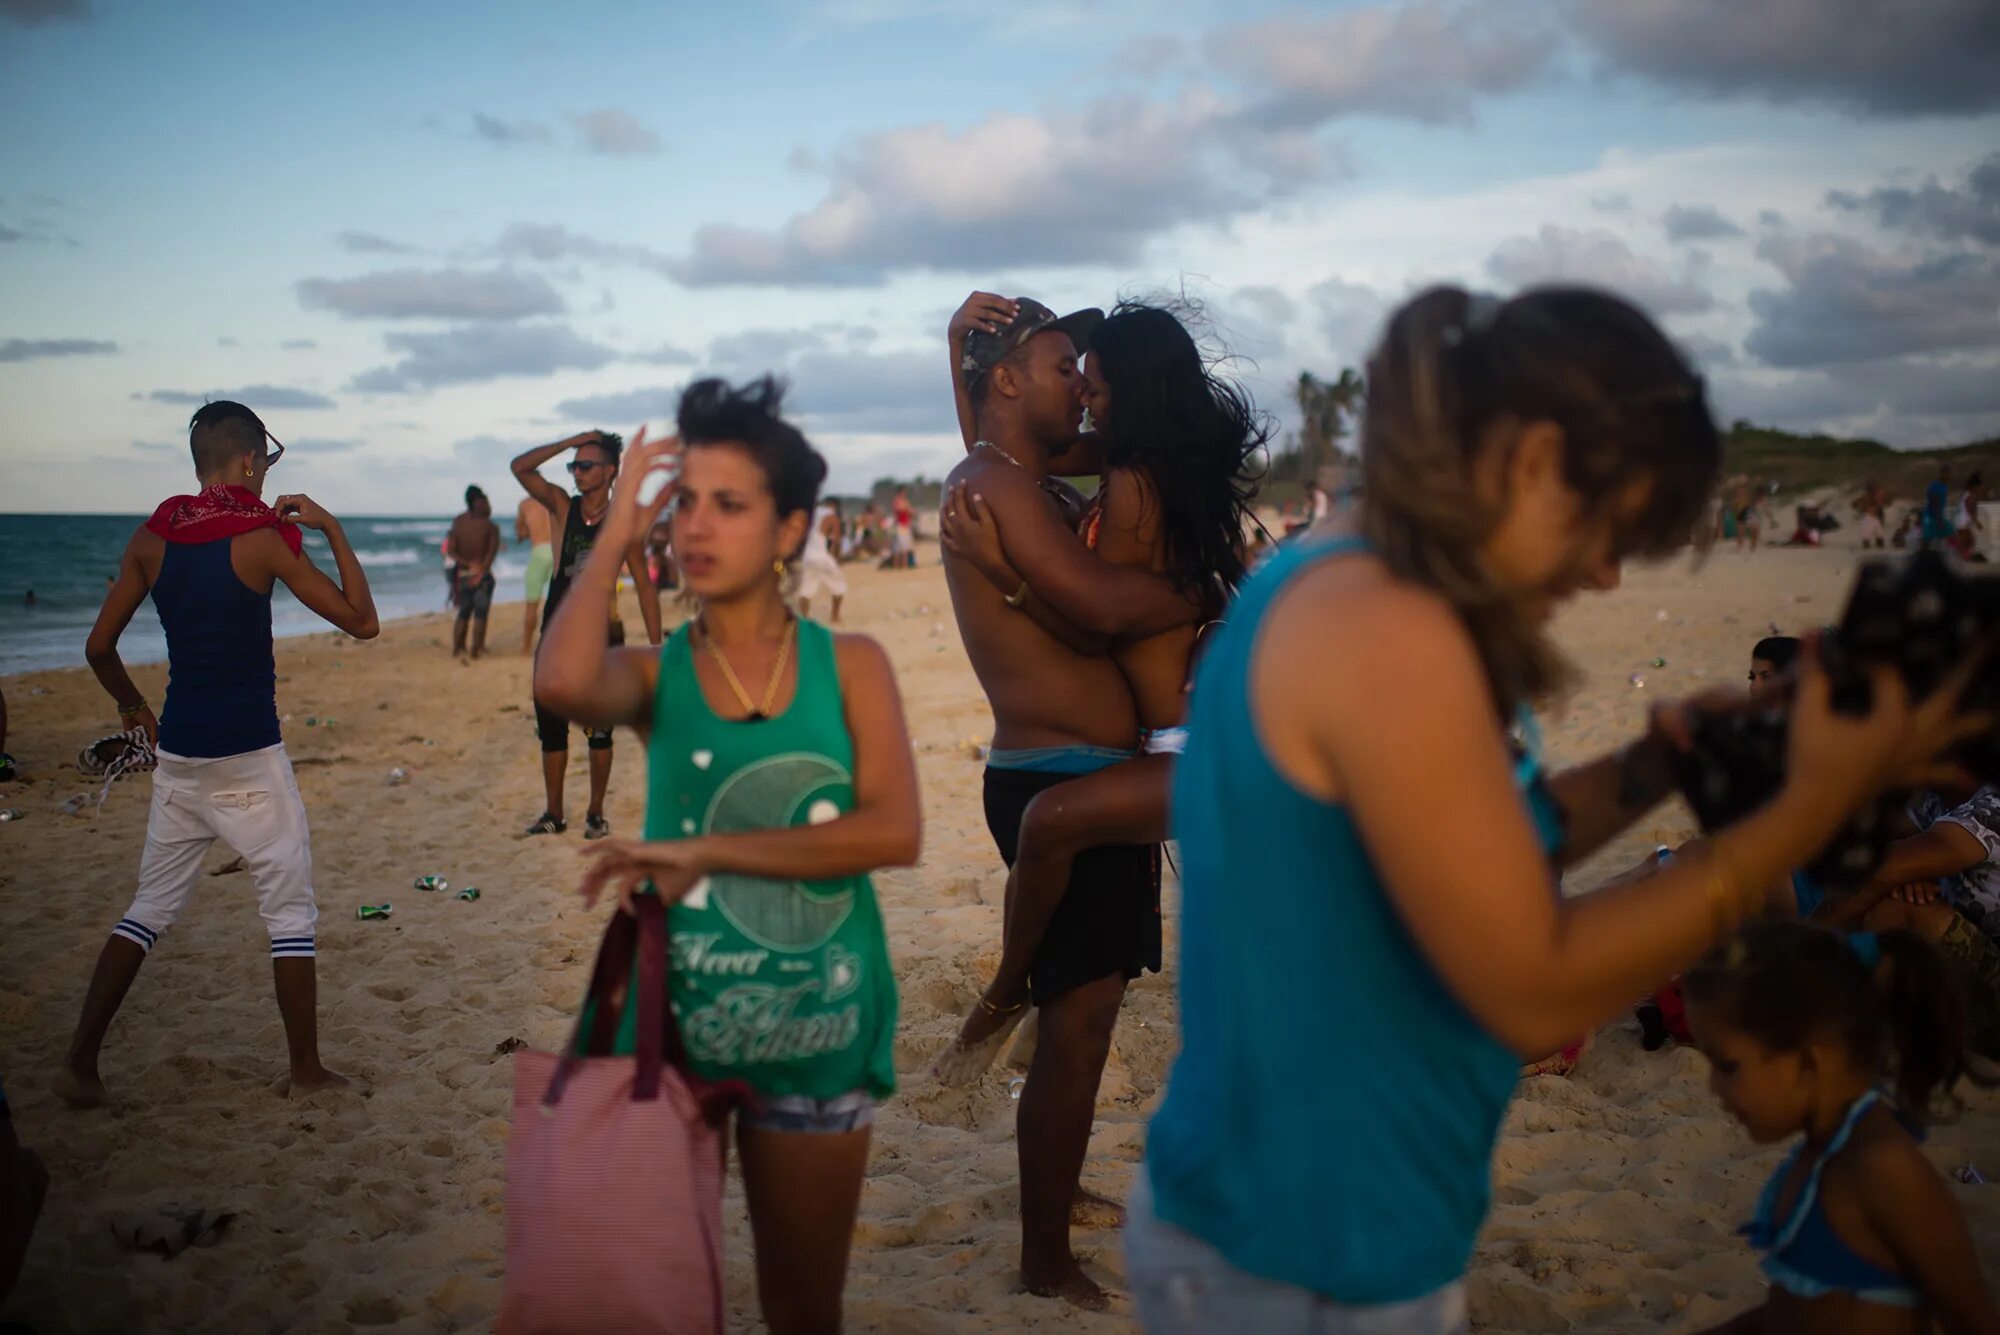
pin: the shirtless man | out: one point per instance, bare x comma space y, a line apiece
533, 526
473, 545
1059, 712
209, 563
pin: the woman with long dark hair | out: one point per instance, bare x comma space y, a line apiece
1174, 440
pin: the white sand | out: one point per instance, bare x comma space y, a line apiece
1617, 1190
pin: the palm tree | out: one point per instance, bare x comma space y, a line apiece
1326, 408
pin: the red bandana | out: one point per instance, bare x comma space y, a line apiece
217, 513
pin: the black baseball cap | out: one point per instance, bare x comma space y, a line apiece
984, 351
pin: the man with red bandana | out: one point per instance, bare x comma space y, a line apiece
209, 562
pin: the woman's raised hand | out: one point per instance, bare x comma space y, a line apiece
1838, 761
648, 476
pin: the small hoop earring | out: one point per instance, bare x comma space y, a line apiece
778, 568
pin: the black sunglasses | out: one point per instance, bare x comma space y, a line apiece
215, 412
576, 466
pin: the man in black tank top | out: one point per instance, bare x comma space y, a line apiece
577, 518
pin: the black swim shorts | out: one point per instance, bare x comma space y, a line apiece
1109, 920
475, 600
553, 728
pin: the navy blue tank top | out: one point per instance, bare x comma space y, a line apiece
222, 679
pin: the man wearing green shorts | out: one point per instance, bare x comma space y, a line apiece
531, 525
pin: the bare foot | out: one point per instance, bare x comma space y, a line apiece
1070, 1284
79, 1091
1090, 1210
295, 1086
979, 1041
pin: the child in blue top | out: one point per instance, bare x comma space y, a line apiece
1804, 1030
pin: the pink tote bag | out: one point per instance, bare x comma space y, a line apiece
614, 1169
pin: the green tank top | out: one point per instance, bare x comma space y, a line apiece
785, 985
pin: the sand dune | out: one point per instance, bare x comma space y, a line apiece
1617, 1190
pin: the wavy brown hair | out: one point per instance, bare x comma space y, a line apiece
1455, 374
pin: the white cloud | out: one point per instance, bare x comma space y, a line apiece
1424, 60
1697, 222
551, 242
1850, 302
1594, 256
371, 243
437, 294
35, 349
1008, 190
496, 131
1909, 58
1951, 213
258, 397
473, 354
653, 403
614, 132
31, 12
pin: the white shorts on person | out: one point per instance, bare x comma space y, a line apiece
820, 573
250, 802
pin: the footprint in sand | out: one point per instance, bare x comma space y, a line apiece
374, 1311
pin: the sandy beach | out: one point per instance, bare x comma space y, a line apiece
1617, 1190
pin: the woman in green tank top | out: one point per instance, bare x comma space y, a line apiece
780, 775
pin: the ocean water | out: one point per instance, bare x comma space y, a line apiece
66, 560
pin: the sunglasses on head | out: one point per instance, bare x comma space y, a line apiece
216, 412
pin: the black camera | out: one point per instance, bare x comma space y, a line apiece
1920, 615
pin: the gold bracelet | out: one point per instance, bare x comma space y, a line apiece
128, 712
1725, 905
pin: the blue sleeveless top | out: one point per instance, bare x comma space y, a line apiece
1802, 1253
1330, 1120
222, 678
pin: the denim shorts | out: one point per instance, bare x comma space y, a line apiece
842, 1113
1183, 1286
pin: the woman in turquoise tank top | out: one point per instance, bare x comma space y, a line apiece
1357, 992
780, 775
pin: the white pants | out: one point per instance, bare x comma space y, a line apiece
821, 574
251, 802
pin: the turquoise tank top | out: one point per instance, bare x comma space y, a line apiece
1330, 1120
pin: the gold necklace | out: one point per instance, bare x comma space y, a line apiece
754, 714
1047, 484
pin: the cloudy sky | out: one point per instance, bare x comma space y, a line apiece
420, 237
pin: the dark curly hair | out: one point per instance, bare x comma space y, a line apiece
1192, 430
1787, 983
613, 445
714, 412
